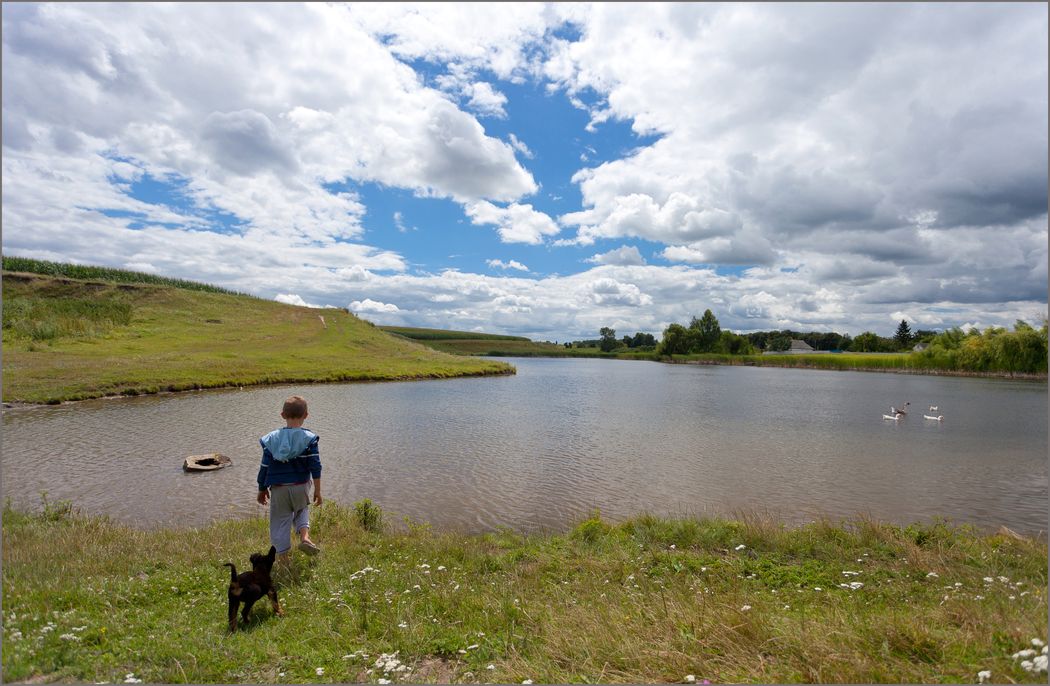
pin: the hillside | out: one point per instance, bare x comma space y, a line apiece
72, 339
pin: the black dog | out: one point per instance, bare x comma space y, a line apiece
250, 586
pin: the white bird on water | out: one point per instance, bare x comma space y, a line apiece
894, 417
933, 408
938, 418
894, 410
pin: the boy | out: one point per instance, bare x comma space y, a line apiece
290, 458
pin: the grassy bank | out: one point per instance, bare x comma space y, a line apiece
643, 601
885, 362
72, 339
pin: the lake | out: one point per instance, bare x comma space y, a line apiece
542, 449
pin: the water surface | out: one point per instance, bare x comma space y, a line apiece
544, 448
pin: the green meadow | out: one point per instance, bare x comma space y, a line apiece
647, 600
75, 338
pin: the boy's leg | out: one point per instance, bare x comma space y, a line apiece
301, 521
281, 515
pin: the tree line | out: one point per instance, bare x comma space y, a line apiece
1023, 350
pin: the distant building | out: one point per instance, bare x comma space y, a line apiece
919, 347
798, 346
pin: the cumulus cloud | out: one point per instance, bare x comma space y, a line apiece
906, 118
624, 255
369, 306
487, 100
520, 146
860, 161
511, 264
293, 299
515, 223
189, 96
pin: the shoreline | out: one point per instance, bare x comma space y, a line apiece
1010, 376
132, 393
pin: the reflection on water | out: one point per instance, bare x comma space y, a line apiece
563, 437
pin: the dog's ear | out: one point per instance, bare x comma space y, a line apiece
273, 551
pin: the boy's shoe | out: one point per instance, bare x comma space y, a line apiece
309, 547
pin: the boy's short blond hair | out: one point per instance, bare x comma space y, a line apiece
294, 407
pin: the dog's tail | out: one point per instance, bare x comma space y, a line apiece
233, 571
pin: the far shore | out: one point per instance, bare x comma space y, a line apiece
1017, 376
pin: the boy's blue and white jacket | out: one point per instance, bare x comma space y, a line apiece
290, 456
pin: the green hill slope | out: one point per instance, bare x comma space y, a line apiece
72, 339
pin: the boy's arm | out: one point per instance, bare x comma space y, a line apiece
263, 495
315, 469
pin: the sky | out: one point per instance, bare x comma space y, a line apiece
544, 170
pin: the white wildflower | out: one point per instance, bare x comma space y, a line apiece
690, 678
383, 681
491, 667
1004, 579
424, 566
402, 625
472, 647
79, 628
461, 651
1037, 643
320, 671
740, 547
932, 575
1023, 654
855, 574
817, 588
984, 676
988, 579
441, 568
130, 678
15, 635
527, 681
69, 637
745, 608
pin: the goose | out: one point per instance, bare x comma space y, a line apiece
901, 410
933, 408
894, 417
938, 418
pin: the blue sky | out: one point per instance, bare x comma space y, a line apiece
544, 169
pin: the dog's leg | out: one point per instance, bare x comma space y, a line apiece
234, 602
247, 608
273, 599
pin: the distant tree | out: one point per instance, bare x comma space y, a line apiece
779, 343
675, 341
643, 339
870, 342
903, 335
704, 332
608, 339
734, 344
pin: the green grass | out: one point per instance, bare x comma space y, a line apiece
72, 339
647, 600
903, 362
446, 334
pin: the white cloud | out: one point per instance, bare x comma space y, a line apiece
511, 264
486, 100
369, 306
293, 299
624, 255
520, 147
516, 223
